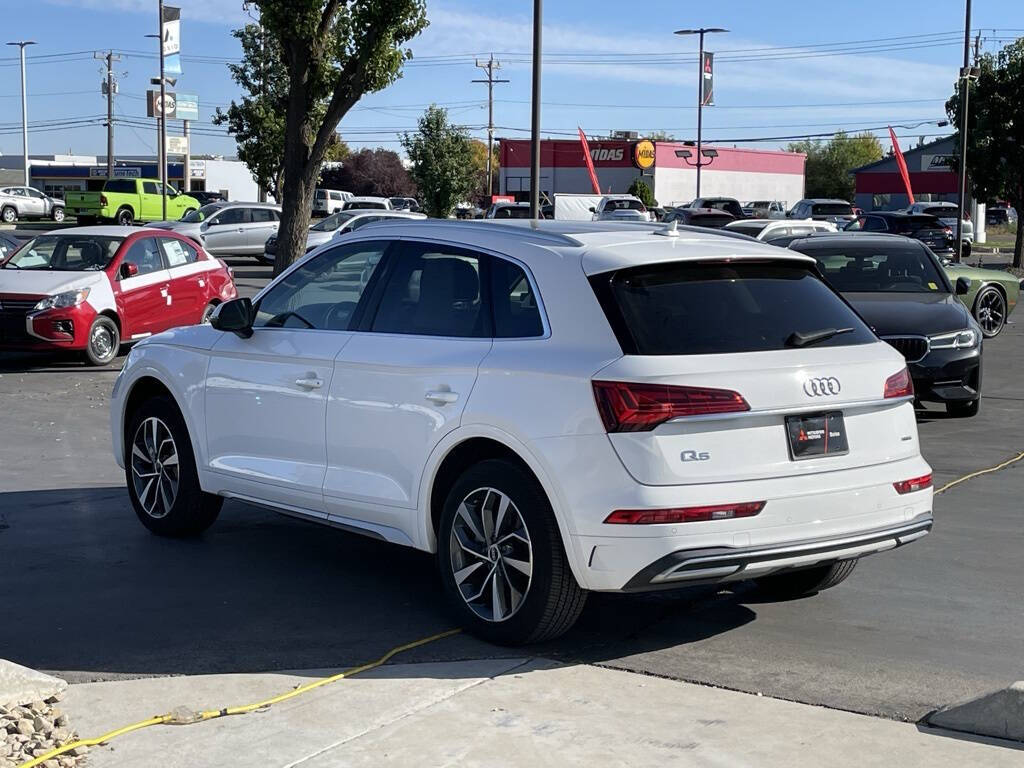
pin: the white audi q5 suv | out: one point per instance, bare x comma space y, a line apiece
550, 407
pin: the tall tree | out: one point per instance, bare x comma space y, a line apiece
257, 121
995, 131
440, 155
478, 159
332, 53
829, 163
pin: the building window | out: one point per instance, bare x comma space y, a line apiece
881, 202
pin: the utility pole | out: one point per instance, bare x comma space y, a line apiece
163, 113
188, 156
965, 89
109, 89
538, 8
24, 107
489, 67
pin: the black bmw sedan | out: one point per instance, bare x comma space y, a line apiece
898, 286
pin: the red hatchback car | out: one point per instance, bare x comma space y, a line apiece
95, 288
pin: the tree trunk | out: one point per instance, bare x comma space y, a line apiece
296, 210
1018, 244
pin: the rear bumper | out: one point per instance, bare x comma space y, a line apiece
716, 564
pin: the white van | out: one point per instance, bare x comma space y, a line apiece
328, 201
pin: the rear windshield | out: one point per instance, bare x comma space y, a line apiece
624, 205
891, 266
365, 204
713, 308
332, 222
941, 210
914, 223
512, 212
321, 194
832, 209
713, 220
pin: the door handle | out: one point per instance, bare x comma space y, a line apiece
310, 383
442, 397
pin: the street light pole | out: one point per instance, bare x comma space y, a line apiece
965, 87
700, 32
163, 115
24, 106
535, 121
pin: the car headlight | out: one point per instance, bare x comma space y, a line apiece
965, 339
62, 300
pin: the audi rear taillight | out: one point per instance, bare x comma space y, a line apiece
684, 514
899, 385
914, 484
630, 407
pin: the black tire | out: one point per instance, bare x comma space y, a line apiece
806, 581
207, 313
9, 214
990, 311
191, 510
58, 214
124, 217
964, 410
103, 342
965, 249
552, 600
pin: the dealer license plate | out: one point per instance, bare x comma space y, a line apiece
816, 434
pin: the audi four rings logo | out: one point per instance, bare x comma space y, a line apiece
826, 385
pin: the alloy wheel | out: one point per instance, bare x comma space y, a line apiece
102, 342
155, 470
491, 554
991, 312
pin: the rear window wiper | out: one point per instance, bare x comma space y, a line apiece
798, 339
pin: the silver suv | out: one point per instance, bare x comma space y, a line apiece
229, 229
28, 203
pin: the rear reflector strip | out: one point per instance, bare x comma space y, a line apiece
914, 484
684, 514
631, 407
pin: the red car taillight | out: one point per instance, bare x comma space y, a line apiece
629, 407
103, 201
899, 385
684, 514
914, 484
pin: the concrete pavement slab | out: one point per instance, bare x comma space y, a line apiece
502, 713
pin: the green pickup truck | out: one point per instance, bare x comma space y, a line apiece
126, 201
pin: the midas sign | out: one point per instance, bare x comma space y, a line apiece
643, 154
599, 154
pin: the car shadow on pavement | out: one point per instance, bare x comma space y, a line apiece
52, 362
90, 594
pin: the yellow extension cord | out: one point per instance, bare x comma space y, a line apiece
187, 718
980, 472
177, 718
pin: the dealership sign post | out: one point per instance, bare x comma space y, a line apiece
705, 90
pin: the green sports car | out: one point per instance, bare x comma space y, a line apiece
992, 296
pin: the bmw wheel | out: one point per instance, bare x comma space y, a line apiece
104, 341
502, 561
160, 469
990, 311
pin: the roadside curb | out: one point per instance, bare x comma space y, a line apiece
999, 714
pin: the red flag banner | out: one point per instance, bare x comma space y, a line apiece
901, 163
590, 163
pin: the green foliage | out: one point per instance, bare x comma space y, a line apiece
640, 189
257, 121
829, 163
995, 131
441, 162
330, 53
660, 136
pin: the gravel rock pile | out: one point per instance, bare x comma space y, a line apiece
27, 732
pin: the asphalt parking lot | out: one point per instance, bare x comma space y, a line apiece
90, 594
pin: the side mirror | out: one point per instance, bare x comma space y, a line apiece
963, 286
235, 316
592, 209
128, 269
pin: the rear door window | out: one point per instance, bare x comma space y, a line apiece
434, 290
714, 308
516, 314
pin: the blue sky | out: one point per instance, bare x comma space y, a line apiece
639, 88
